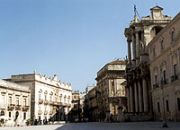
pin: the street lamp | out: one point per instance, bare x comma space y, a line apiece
164, 124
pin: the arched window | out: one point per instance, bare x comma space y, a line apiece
155, 30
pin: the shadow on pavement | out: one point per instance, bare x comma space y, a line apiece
119, 126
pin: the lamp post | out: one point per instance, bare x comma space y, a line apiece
164, 124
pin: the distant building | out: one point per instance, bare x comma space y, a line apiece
139, 33
76, 114
90, 105
50, 98
14, 103
164, 59
110, 91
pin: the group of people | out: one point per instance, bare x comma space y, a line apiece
40, 122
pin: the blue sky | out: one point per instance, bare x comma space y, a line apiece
70, 38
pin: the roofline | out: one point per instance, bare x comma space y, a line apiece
164, 29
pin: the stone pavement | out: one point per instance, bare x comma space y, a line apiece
101, 126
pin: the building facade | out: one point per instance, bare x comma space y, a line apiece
110, 91
76, 108
50, 98
90, 105
164, 59
139, 33
14, 103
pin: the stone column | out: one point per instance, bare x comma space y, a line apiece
129, 105
145, 96
137, 47
136, 97
131, 99
129, 49
142, 43
140, 97
133, 46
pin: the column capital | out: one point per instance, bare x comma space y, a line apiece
129, 39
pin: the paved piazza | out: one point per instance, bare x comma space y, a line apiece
100, 126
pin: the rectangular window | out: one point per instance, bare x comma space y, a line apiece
154, 52
155, 79
164, 76
175, 69
162, 46
45, 108
10, 99
3, 99
61, 98
24, 101
39, 96
167, 106
9, 114
50, 98
112, 83
178, 103
24, 116
45, 97
17, 100
172, 35
158, 107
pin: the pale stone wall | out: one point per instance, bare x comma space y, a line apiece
58, 94
164, 54
15, 99
111, 90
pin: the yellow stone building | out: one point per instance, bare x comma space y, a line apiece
139, 33
110, 91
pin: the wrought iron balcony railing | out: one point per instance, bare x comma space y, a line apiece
40, 101
45, 102
39, 112
25, 108
174, 78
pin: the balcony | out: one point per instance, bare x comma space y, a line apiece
174, 78
10, 107
45, 112
56, 103
39, 112
40, 101
69, 105
156, 85
25, 108
45, 102
51, 102
51, 112
60, 103
164, 81
18, 107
